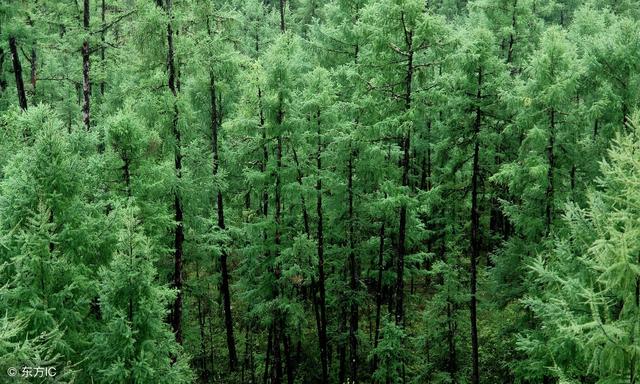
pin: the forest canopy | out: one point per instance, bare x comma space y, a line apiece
303, 191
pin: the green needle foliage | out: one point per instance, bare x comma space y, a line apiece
347, 191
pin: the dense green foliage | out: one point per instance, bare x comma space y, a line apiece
347, 191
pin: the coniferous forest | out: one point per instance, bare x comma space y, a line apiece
303, 191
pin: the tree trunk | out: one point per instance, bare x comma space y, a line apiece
512, 38
17, 70
201, 326
176, 318
406, 146
321, 278
451, 340
342, 348
267, 360
475, 234
314, 298
288, 361
276, 372
353, 281
34, 69
224, 284
3, 82
282, 25
378, 295
102, 40
551, 164
86, 85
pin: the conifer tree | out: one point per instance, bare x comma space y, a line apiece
588, 300
134, 344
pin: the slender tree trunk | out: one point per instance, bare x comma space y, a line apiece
379, 295
176, 320
406, 147
103, 13
353, 280
34, 69
201, 326
17, 70
288, 361
282, 24
342, 348
512, 33
86, 85
551, 164
267, 360
451, 340
224, 284
277, 357
3, 81
475, 234
314, 298
321, 277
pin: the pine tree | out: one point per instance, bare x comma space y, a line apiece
133, 344
588, 300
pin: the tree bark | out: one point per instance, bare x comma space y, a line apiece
321, 277
224, 284
512, 38
406, 146
17, 70
379, 295
282, 24
176, 318
267, 360
201, 326
551, 163
3, 82
475, 234
353, 280
86, 85
103, 14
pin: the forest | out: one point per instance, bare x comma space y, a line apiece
305, 192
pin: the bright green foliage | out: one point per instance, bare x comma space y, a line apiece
347, 191
588, 300
134, 344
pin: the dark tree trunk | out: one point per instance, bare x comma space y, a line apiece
353, 280
34, 69
512, 33
288, 361
276, 372
321, 277
282, 25
475, 234
17, 70
267, 360
224, 284
551, 164
314, 298
176, 318
342, 348
86, 85
379, 294
406, 147
203, 336
3, 81
451, 340
103, 14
